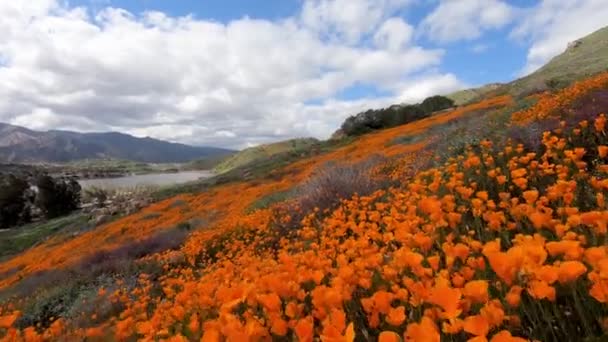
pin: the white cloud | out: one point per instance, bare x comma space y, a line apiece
203, 82
553, 23
347, 20
394, 34
454, 20
429, 85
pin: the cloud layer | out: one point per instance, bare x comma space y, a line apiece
249, 81
201, 82
551, 25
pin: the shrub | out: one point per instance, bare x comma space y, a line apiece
409, 113
332, 184
436, 103
393, 116
13, 200
57, 197
98, 196
326, 189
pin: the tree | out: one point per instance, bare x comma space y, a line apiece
57, 197
13, 201
410, 113
436, 103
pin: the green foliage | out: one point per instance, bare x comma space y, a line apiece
57, 197
393, 116
13, 201
436, 103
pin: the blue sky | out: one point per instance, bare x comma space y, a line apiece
500, 61
237, 73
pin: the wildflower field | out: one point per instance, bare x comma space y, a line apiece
501, 240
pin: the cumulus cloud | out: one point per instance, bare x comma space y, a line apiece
203, 82
429, 85
551, 24
454, 20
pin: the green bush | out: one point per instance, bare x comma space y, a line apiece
436, 103
57, 197
13, 201
393, 116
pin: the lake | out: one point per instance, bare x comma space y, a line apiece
155, 179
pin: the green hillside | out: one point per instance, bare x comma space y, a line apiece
584, 57
469, 95
264, 151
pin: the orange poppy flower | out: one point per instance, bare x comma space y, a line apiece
211, 335
7, 321
389, 336
513, 297
505, 336
305, 329
477, 325
448, 299
425, 331
541, 290
396, 316
569, 271
476, 290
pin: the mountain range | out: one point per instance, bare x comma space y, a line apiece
22, 145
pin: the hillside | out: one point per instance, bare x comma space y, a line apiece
485, 222
251, 154
446, 237
468, 95
582, 58
21, 145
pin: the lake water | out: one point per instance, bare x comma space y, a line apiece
156, 179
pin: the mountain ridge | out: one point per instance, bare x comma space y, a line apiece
22, 145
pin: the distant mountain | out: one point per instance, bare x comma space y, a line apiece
22, 145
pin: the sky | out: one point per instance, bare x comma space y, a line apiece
238, 73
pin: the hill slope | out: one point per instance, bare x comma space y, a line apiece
264, 151
583, 58
19, 145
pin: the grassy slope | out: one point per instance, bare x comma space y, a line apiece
469, 95
589, 58
264, 151
17, 240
